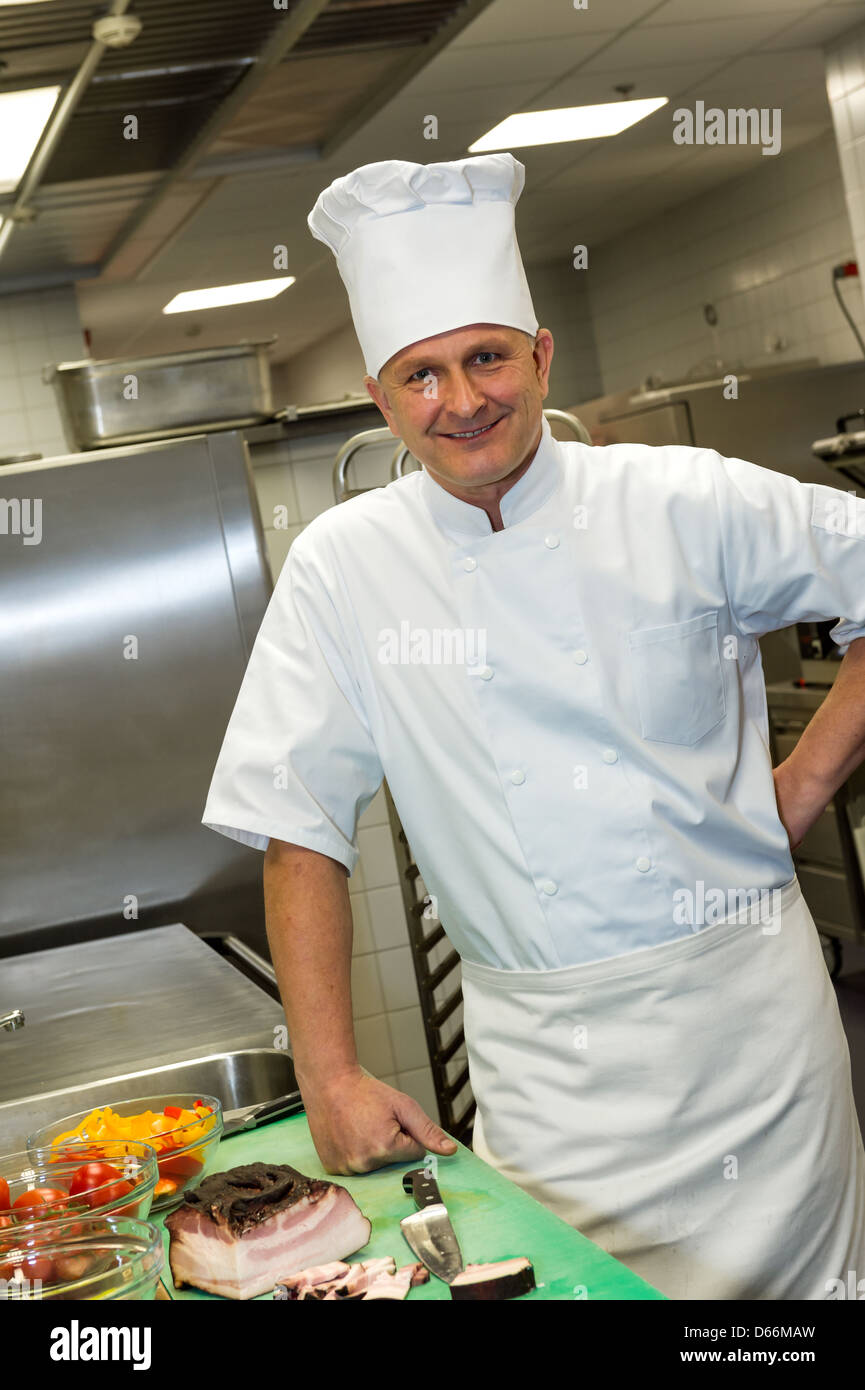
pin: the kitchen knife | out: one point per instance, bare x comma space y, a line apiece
250, 1116
428, 1231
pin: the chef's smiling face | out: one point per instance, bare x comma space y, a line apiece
468, 405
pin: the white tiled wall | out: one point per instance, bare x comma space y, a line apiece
388, 1025
562, 305
760, 248
845, 86
35, 329
327, 371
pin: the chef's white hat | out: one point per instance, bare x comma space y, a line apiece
425, 248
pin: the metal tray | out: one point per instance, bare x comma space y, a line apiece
132, 400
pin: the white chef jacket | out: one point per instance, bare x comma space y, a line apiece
609, 747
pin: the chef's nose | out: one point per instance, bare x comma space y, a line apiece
461, 395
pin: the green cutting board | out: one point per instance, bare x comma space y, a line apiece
492, 1218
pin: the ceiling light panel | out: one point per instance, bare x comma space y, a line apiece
569, 123
219, 295
23, 117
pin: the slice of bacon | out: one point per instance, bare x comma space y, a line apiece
319, 1274
371, 1279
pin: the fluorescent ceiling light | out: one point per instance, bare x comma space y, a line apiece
569, 123
23, 117
218, 295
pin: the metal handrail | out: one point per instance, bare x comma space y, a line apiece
347, 452
566, 418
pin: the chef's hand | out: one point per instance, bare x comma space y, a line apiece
801, 801
358, 1123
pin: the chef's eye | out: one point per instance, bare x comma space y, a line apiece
489, 355
422, 374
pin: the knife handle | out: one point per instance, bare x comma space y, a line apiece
422, 1187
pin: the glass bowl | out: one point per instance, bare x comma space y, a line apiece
117, 1178
184, 1152
97, 1257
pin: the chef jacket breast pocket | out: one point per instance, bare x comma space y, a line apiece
678, 678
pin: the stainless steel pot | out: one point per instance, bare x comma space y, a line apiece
132, 400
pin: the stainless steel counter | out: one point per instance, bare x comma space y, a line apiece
101, 1008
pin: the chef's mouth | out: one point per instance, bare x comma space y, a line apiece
466, 436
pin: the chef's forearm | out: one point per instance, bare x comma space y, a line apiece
833, 743
309, 928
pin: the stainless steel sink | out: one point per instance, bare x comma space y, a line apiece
237, 1078
151, 1012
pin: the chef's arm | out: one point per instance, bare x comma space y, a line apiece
357, 1123
309, 929
831, 746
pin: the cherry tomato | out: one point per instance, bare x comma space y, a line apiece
43, 1202
31, 1267
91, 1175
100, 1184
5, 1203
110, 1196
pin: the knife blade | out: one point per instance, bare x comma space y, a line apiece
428, 1231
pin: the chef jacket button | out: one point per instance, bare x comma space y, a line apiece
551, 542
486, 673
470, 563
549, 887
610, 755
644, 864
518, 777
581, 657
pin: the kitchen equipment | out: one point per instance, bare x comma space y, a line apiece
844, 452
153, 1011
47, 1167
127, 400
137, 615
428, 1231
106, 1257
184, 1156
845, 446
772, 420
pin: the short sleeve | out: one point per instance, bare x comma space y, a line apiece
298, 762
793, 552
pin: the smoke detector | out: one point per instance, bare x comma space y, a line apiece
116, 30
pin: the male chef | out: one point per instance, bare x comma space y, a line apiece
550, 651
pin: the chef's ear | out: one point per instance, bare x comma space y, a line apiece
543, 354
379, 395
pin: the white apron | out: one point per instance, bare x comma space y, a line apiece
688, 1106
